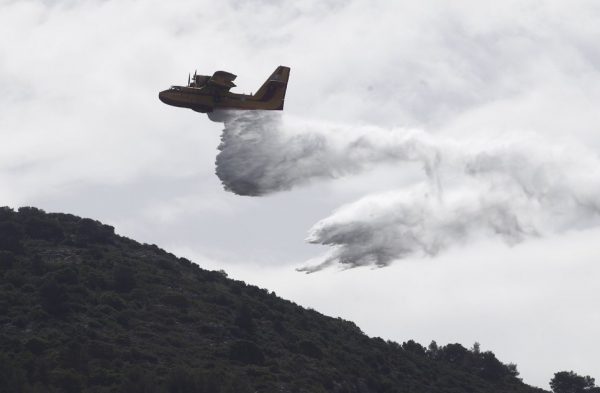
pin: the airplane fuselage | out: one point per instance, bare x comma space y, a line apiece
206, 94
204, 100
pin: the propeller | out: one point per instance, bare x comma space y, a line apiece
188, 79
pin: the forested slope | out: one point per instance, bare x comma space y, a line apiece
82, 309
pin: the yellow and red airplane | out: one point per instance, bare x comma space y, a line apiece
206, 94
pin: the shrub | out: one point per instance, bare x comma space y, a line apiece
6, 213
36, 345
15, 277
124, 279
67, 381
53, 297
10, 237
414, 347
113, 300
180, 380
67, 275
310, 349
90, 231
570, 382
453, 353
139, 381
246, 352
7, 260
243, 319
101, 350
12, 378
176, 300
44, 229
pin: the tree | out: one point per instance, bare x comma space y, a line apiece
310, 349
453, 353
43, 228
570, 382
90, 231
246, 352
12, 376
244, 319
10, 237
53, 297
433, 350
414, 347
490, 367
124, 279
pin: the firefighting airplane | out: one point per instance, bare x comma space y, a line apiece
207, 94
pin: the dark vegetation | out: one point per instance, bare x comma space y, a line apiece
570, 382
82, 309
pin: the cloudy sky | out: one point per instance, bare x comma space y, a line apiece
455, 145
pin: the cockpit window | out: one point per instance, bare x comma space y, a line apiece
176, 88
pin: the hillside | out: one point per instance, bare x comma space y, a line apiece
82, 309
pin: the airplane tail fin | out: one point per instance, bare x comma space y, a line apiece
273, 90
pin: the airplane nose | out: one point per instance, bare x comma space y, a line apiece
161, 96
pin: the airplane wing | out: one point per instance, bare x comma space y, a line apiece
222, 80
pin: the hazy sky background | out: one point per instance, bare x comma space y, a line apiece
83, 132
